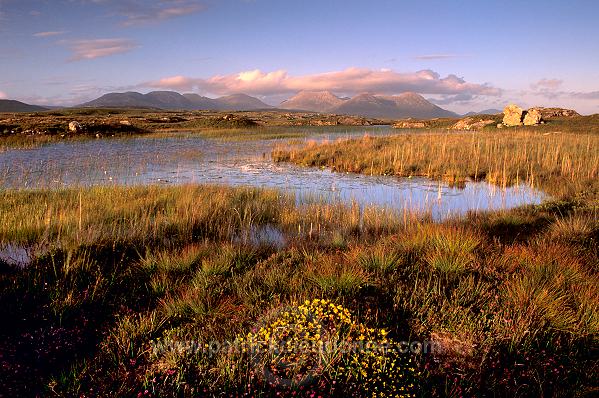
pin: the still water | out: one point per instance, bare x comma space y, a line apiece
187, 158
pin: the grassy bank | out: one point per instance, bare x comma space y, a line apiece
563, 164
128, 290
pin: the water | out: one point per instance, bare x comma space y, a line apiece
184, 159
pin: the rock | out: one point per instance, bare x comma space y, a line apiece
499, 125
512, 115
548, 113
74, 127
471, 123
321, 122
409, 125
532, 117
125, 123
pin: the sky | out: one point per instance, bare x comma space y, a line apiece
464, 55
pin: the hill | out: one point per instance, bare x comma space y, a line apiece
392, 107
240, 102
18, 106
174, 100
491, 111
314, 101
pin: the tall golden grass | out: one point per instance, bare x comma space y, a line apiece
561, 163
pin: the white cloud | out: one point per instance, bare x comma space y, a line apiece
49, 33
96, 48
349, 81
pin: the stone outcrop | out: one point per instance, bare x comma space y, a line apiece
532, 117
471, 123
409, 125
512, 115
74, 127
548, 113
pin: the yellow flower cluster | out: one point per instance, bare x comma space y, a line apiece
320, 342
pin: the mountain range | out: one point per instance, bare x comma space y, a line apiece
405, 105
174, 100
368, 105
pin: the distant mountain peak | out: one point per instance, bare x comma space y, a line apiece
174, 100
241, 102
399, 106
315, 101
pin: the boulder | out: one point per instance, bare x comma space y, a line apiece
471, 123
532, 117
548, 113
512, 115
74, 127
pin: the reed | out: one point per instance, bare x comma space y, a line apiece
560, 163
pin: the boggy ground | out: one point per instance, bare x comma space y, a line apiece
28, 129
509, 299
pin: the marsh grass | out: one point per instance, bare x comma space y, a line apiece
560, 163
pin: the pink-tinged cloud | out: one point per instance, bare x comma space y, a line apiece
349, 81
3, 95
547, 84
49, 34
97, 48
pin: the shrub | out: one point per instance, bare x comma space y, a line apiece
320, 347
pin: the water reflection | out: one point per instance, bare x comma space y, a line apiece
193, 159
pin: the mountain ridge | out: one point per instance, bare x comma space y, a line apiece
172, 100
392, 107
7, 105
314, 101
491, 111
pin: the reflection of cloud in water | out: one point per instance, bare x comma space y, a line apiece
171, 160
15, 255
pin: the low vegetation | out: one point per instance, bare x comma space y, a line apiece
160, 291
19, 130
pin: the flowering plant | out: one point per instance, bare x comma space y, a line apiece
318, 346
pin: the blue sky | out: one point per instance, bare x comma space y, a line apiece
464, 55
